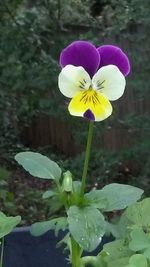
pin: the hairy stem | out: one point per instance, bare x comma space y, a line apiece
75, 253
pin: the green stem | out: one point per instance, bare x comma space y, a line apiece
2, 252
75, 253
87, 157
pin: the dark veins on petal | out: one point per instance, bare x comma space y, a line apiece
88, 114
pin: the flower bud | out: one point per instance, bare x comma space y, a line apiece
67, 182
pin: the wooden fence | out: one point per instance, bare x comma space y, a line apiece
49, 131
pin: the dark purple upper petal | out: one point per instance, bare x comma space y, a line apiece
81, 53
111, 54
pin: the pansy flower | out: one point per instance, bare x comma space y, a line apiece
92, 77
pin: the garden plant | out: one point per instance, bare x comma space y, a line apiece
7, 224
92, 77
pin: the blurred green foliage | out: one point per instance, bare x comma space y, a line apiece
7, 201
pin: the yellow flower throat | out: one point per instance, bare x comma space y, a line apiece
90, 95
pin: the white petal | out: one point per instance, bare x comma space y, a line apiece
109, 81
72, 80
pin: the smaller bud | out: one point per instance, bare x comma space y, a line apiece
67, 182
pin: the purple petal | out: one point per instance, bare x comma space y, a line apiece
88, 114
81, 53
111, 54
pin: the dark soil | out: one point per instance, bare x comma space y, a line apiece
24, 197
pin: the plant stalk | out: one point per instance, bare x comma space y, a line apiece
87, 157
2, 252
75, 253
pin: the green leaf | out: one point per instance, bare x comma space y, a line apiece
38, 165
7, 224
66, 240
146, 253
97, 199
117, 254
118, 262
119, 196
87, 226
137, 260
119, 229
49, 194
139, 213
140, 240
117, 249
56, 224
61, 224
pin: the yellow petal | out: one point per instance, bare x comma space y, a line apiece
109, 81
73, 79
90, 104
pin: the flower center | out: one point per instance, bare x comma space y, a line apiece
90, 95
